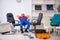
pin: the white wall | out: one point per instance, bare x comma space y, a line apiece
14, 7
57, 2
44, 10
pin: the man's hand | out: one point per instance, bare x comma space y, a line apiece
28, 18
17, 16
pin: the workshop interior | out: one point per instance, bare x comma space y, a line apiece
29, 19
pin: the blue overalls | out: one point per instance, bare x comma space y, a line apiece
24, 21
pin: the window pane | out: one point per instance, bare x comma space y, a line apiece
38, 7
49, 7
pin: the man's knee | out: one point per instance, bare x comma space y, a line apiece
28, 23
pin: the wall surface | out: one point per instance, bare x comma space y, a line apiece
14, 7
44, 10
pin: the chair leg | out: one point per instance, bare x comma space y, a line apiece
55, 30
10, 32
52, 30
34, 28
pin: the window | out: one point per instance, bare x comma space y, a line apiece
38, 7
49, 7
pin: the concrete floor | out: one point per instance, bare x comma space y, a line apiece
25, 36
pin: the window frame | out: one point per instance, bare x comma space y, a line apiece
51, 7
38, 7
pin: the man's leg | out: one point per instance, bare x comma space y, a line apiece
21, 26
28, 25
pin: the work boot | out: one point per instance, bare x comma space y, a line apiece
22, 31
26, 30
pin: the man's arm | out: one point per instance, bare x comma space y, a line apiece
19, 17
27, 17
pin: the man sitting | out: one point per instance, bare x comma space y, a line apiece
24, 21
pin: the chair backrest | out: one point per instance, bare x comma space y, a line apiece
10, 18
55, 21
39, 18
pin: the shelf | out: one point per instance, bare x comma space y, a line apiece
34, 17
44, 10
36, 10
37, 2
41, 4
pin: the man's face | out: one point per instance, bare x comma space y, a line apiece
23, 14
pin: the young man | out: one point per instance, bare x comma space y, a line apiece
24, 20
